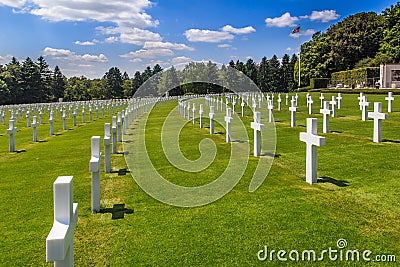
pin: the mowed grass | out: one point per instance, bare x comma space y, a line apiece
357, 198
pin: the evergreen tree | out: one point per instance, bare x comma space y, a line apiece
262, 75
113, 83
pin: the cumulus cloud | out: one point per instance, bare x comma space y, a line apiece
224, 45
324, 16
86, 43
245, 30
168, 45
208, 36
180, 60
68, 55
125, 15
286, 20
148, 53
12, 3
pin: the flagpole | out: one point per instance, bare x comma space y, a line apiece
299, 59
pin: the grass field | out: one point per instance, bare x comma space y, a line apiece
356, 199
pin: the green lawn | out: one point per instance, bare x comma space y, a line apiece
357, 197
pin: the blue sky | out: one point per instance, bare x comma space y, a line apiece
87, 37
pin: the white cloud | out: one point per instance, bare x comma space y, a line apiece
224, 45
148, 53
286, 20
168, 45
112, 39
138, 36
86, 43
245, 30
5, 59
12, 3
180, 60
68, 55
324, 16
196, 35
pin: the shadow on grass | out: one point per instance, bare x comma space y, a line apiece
121, 172
271, 155
338, 132
326, 179
239, 141
123, 153
301, 125
20, 151
391, 141
127, 141
43, 141
118, 211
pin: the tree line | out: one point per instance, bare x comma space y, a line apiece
35, 82
365, 39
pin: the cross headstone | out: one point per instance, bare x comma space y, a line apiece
279, 102
312, 140
211, 115
242, 104
28, 119
60, 241
188, 111
326, 112
322, 98
119, 123
270, 111
360, 100
389, 99
94, 168
287, 99
364, 106
307, 98
194, 113
11, 131
333, 104
83, 114
378, 116
228, 120
34, 129
64, 118
310, 103
51, 121
75, 114
114, 134
107, 143
339, 100
257, 127
201, 112
90, 113
293, 110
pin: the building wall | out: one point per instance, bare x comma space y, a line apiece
390, 75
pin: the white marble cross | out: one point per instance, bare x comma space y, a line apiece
201, 112
389, 99
322, 98
11, 131
119, 123
333, 104
228, 120
107, 144
309, 104
307, 97
194, 113
287, 99
360, 100
242, 104
60, 241
378, 116
293, 110
114, 134
270, 110
28, 119
279, 102
51, 121
34, 129
326, 112
211, 115
339, 100
364, 106
312, 140
94, 167
188, 111
258, 127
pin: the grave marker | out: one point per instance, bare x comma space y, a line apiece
257, 127
60, 241
107, 143
228, 120
201, 112
11, 131
34, 129
293, 110
211, 115
389, 99
94, 167
312, 140
326, 112
378, 116
114, 134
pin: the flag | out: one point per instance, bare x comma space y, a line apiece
296, 30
